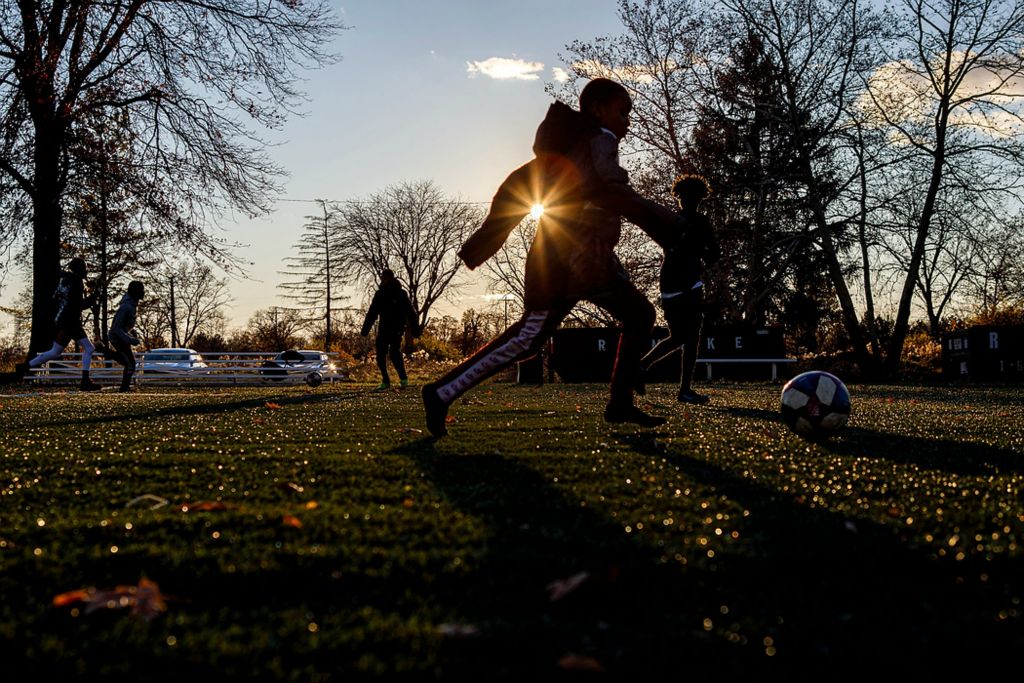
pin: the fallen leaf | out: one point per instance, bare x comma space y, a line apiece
64, 599
312, 505
143, 600
449, 419
563, 587
407, 503
571, 662
409, 430
207, 506
289, 520
273, 406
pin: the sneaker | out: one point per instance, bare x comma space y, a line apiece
383, 385
692, 397
436, 410
627, 413
403, 383
89, 385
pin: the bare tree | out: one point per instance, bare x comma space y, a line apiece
950, 91
505, 272
317, 271
415, 230
996, 279
190, 74
273, 329
186, 299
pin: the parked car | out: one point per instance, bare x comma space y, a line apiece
172, 360
295, 361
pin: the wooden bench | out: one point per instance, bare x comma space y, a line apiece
775, 363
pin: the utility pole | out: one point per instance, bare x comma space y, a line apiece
174, 318
327, 276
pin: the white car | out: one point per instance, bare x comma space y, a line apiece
295, 361
172, 360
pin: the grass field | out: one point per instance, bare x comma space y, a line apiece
316, 535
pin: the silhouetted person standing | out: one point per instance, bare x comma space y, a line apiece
392, 307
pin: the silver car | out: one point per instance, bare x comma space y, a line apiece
172, 360
295, 361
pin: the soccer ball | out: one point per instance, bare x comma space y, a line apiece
815, 404
314, 379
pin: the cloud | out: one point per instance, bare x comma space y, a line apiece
636, 73
559, 74
505, 68
989, 96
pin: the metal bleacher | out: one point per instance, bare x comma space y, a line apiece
227, 368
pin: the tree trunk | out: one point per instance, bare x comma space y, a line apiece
894, 352
46, 229
835, 269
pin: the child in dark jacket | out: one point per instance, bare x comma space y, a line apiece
585, 192
122, 332
682, 284
392, 306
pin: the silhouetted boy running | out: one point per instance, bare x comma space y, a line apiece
122, 333
584, 192
682, 284
391, 304
70, 301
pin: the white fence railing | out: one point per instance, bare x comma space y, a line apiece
223, 368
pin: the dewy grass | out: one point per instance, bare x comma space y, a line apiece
320, 535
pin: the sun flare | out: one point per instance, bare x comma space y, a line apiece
536, 211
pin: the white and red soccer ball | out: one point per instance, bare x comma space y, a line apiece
815, 404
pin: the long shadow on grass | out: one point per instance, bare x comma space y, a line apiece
957, 457
638, 613
209, 408
838, 595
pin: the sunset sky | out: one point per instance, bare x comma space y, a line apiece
448, 90
445, 90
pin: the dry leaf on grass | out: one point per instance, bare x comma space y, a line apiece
273, 406
292, 521
144, 600
207, 506
571, 662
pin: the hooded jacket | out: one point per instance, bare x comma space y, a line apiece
391, 304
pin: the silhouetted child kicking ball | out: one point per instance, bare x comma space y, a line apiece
576, 176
